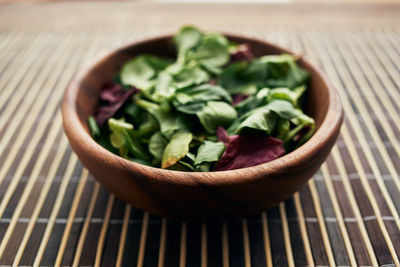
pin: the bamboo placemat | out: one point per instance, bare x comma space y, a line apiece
53, 213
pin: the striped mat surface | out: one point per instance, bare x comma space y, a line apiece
53, 213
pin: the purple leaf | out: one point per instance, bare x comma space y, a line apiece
222, 135
111, 92
112, 97
247, 151
236, 99
242, 53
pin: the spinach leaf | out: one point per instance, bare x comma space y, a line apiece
253, 102
169, 123
190, 155
212, 53
243, 77
167, 120
176, 149
186, 165
284, 72
190, 75
140, 161
283, 128
93, 127
292, 96
187, 38
121, 139
283, 108
146, 128
216, 113
164, 88
264, 118
301, 122
142, 71
204, 167
190, 108
181, 166
260, 119
209, 152
192, 100
157, 145
133, 113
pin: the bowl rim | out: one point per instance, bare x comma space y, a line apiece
329, 126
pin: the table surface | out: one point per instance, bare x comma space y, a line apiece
53, 213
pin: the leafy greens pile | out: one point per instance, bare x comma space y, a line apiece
215, 107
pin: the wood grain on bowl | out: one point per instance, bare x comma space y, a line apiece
195, 194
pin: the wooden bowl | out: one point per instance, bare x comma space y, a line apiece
195, 194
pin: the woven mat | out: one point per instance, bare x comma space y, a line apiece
53, 213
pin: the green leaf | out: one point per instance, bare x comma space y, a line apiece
133, 112
157, 145
190, 75
187, 165
284, 72
167, 121
146, 128
191, 156
278, 65
140, 161
163, 87
116, 125
306, 136
260, 119
192, 100
187, 38
93, 127
209, 152
202, 93
121, 138
264, 118
243, 77
216, 113
283, 128
292, 96
253, 102
204, 167
301, 121
147, 105
117, 139
181, 166
142, 71
191, 108
212, 53
284, 109
176, 149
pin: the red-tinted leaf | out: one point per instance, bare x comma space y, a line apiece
236, 99
111, 92
246, 151
243, 53
112, 97
222, 136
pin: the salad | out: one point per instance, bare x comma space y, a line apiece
214, 107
